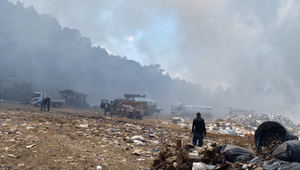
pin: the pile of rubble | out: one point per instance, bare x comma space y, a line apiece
276, 148
209, 156
246, 124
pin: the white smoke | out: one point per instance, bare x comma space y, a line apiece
249, 49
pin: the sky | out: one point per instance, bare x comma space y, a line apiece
249, 47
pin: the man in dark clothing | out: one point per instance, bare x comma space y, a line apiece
47, 102
105, 108
43, 104
199, 130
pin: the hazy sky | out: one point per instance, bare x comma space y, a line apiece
249, 47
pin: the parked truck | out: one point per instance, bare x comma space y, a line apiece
38, 97
132, 106
149, 105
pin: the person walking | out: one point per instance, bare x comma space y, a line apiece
198, 129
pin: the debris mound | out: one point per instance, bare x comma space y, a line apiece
211, 157
245, 124
179, 159
268, 136
268, 143
275, 146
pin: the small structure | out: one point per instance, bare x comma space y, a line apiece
74, 98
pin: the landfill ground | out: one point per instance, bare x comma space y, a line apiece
84, 139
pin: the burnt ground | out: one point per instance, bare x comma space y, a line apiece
84, 139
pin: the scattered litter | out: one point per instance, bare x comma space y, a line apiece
83, 125
246, 124
99, 167
138, 142
30, 146
137, 138
29, 127
177, 120
200, 166
181, 122
12, 155
158, 144
140, 159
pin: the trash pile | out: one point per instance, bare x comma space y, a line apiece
211, 157
181, 122
246, 124
276, 148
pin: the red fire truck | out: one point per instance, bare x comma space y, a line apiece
132, 106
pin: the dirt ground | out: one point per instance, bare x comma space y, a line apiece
83, 139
